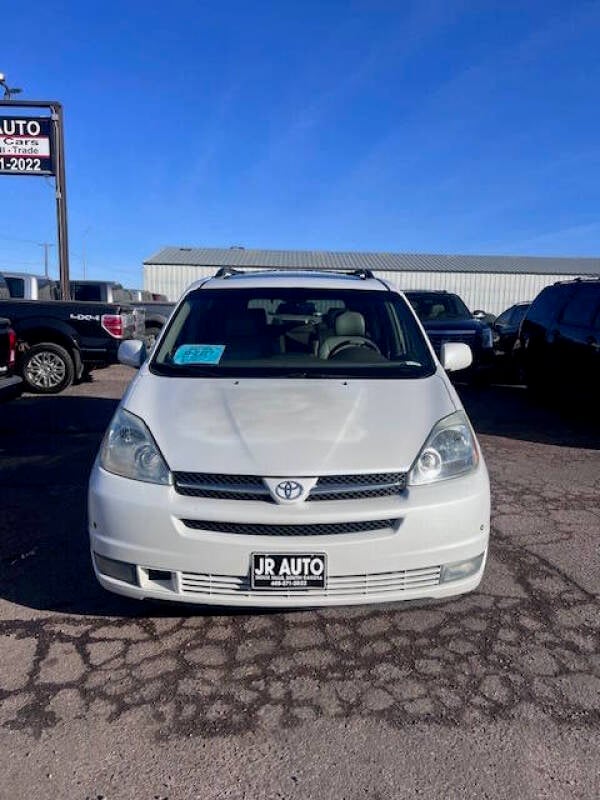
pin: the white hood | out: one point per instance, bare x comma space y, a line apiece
288, 427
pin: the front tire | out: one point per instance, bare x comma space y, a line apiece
47, 368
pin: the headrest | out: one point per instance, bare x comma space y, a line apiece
350, 323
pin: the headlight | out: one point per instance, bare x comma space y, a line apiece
129, 450
487, 338
450, 450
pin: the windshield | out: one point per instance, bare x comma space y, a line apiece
295, 332
432, 306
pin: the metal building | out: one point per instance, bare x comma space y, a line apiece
491, 283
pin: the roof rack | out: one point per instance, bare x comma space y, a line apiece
363, 274
226, 272
578, 279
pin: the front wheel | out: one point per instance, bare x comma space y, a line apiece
47, 368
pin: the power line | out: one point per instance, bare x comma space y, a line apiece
17, 239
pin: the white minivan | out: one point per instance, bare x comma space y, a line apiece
292, 441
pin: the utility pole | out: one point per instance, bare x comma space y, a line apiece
46, 245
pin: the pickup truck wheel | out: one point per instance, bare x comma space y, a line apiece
47, 368
150, 336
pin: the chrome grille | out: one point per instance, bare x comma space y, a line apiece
351, 487
317, 529
374, 585
251, 487
221, 487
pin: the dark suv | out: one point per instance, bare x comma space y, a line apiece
446, 318
559, 339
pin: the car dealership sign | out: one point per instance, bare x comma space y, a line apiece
26, 146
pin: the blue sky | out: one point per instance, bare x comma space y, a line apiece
457, 127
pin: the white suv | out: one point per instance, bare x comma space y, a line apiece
291, 441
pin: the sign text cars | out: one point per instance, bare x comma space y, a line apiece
26, 146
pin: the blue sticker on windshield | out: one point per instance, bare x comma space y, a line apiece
198, 354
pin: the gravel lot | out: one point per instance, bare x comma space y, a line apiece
493, 695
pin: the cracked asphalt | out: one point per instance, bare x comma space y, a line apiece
492, 695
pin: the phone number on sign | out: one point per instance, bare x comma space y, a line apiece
16, 164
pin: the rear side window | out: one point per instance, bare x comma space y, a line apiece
544, 307
16, 287
85, 292
4, 293
582, 307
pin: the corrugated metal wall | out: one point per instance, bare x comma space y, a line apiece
489, 291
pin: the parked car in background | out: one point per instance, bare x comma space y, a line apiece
291, 441
10, 384
58, 341
161, 298
24, 286
559, 341
506, 329
155, 314
446, 318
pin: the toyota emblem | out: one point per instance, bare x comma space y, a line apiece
289, 490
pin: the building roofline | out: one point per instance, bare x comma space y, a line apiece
216, 258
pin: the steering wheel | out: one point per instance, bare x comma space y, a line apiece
348, 343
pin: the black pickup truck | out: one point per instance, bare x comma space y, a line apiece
156, 313
10, 384
58, 342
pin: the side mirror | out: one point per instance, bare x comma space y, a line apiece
455, 356
132, 353
479, 314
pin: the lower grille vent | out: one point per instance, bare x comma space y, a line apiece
320, 529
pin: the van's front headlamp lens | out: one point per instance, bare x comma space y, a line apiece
450, 450
129, 450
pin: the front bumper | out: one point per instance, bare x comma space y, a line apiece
141, 524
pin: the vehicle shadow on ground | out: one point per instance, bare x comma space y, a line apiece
511, 412
47, 448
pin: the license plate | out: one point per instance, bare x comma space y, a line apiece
288, 571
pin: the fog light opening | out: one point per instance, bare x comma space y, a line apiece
119, 570
161, 579
460, 570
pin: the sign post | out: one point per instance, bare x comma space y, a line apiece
35, 146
